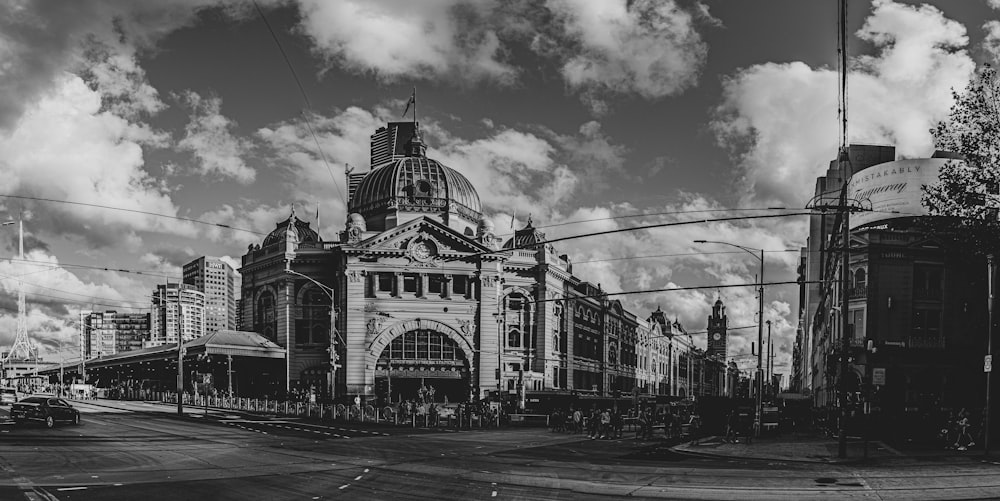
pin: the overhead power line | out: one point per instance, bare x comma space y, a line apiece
648, 214
136, 211
305, 98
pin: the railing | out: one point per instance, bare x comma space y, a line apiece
859, 292
420, 416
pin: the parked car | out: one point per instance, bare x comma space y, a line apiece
45, 409
8, 396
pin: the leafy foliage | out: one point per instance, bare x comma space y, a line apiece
968, 190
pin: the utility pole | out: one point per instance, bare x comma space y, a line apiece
991, 280
845, 329
180, 352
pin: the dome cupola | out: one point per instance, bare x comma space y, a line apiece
413, 185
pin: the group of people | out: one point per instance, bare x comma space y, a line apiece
609, 423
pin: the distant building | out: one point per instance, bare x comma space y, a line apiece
110, 332
164, 321
221, 285
916, 308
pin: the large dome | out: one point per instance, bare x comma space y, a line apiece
416, 183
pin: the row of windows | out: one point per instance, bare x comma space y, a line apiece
413, 283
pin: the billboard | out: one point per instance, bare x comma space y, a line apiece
892, 189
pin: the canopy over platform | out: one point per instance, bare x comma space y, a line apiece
235, 343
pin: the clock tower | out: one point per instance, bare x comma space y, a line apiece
717, 324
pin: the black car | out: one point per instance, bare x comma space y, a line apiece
48, 410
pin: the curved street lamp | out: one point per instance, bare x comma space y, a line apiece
760, 326
334, 333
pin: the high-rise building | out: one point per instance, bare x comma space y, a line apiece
221, 285
388, 143
110, 332
164, 321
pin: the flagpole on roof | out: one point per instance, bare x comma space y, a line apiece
413, 97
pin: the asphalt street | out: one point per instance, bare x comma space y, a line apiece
136, 450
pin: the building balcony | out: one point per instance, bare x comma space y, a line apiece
859, 292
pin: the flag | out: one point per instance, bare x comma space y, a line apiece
513, 217
317, 216
412, 100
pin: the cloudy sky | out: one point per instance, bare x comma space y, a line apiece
573, 111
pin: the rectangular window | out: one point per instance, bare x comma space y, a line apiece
927, 282
460, 285
435, 284
927, 323
410, 283
385, 282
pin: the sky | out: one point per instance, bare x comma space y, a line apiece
587, 116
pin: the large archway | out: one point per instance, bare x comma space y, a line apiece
423, 365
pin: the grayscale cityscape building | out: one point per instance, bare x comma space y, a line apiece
221, 285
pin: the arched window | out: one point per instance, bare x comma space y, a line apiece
612, 355
555, 342
514, 338
264, 315
860, 278
312, 321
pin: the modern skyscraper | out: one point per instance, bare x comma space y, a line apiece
221, 286
164, 320
110, 332
388, 143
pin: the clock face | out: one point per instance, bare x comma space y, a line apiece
716, 336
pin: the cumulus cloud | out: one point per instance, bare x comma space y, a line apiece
209, 137
991, 40
41, 40
438, 39
68, 127
645, 47
49, 288
780, 119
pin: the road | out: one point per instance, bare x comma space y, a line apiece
134, 450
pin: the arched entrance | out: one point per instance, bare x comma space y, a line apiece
422, 358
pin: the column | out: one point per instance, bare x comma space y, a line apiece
446, 286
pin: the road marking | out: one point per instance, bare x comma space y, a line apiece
71, 488
358, 478
366, 470
494, 494
342, 487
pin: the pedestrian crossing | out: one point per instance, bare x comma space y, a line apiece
270, 427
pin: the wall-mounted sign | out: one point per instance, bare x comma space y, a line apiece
892, 189
878, 376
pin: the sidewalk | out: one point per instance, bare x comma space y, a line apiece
809, 447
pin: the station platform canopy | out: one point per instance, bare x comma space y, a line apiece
224, 342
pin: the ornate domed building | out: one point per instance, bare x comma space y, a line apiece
423, 295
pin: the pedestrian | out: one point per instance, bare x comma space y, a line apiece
640, 431
732, 427
577, 421
962, 427
617, 423
605, 431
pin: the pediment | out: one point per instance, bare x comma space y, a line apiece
423, 240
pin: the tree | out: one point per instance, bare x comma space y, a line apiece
968, 189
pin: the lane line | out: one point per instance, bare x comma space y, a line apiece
342, 487
71, 488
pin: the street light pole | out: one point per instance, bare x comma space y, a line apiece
759, 404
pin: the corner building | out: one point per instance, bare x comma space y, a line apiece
423, 292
